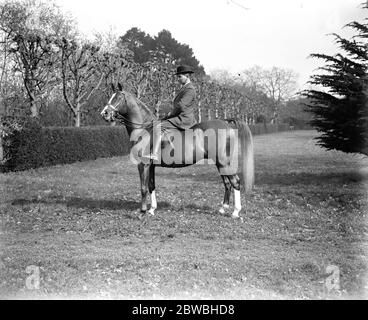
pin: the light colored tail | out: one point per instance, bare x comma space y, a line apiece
246, 156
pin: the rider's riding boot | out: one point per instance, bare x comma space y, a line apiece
155, 148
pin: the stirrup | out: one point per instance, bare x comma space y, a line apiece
150, 157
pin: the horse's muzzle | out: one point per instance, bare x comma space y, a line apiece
105, 115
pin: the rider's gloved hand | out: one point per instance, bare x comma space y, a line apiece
166, 116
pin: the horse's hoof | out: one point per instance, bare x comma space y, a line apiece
236, 217
141, 214
222, 210
151, 212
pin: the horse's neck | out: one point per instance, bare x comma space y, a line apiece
140, 116
146, 113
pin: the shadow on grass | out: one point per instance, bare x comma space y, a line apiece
195, 209
88, 203
202, 177
304, 178
273, 177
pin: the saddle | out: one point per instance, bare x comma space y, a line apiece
167, 140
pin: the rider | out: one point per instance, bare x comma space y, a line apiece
182, 116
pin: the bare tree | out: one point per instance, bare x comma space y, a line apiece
80, 74
277, 83
5, 63
223, 77
108, 40
252, 78
30, 27
114, 68
138, 78
36, 60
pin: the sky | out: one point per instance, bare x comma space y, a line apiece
231, 34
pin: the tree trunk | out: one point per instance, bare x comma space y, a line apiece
32, 98
199, 115
1, 148
209, 114
34, 109
77, 116
275, 112
157, 108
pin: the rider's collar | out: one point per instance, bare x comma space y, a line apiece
184, 85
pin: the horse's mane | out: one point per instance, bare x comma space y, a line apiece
149, 114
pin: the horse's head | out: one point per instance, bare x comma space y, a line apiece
116, 105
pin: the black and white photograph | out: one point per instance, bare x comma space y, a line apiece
198, 151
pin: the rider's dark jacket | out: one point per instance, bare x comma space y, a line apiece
182, 115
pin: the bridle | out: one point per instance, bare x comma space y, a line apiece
119, 117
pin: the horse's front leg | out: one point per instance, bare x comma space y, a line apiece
235, 182
228, 186
144, 176
152, 190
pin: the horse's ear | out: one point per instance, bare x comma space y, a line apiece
120, 87
112, 87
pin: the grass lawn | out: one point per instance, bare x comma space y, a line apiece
78, 224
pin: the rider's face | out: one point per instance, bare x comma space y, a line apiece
182, 78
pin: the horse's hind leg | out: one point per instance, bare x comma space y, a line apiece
144, 177
235, 182
228, 186
152, 190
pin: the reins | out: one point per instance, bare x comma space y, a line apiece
126, 121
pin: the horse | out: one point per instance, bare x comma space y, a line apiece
227, 143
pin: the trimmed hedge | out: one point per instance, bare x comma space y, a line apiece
39, 147
34, 146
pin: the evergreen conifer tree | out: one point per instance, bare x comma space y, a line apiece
341, 110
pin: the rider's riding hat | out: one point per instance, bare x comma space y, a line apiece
183, 70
